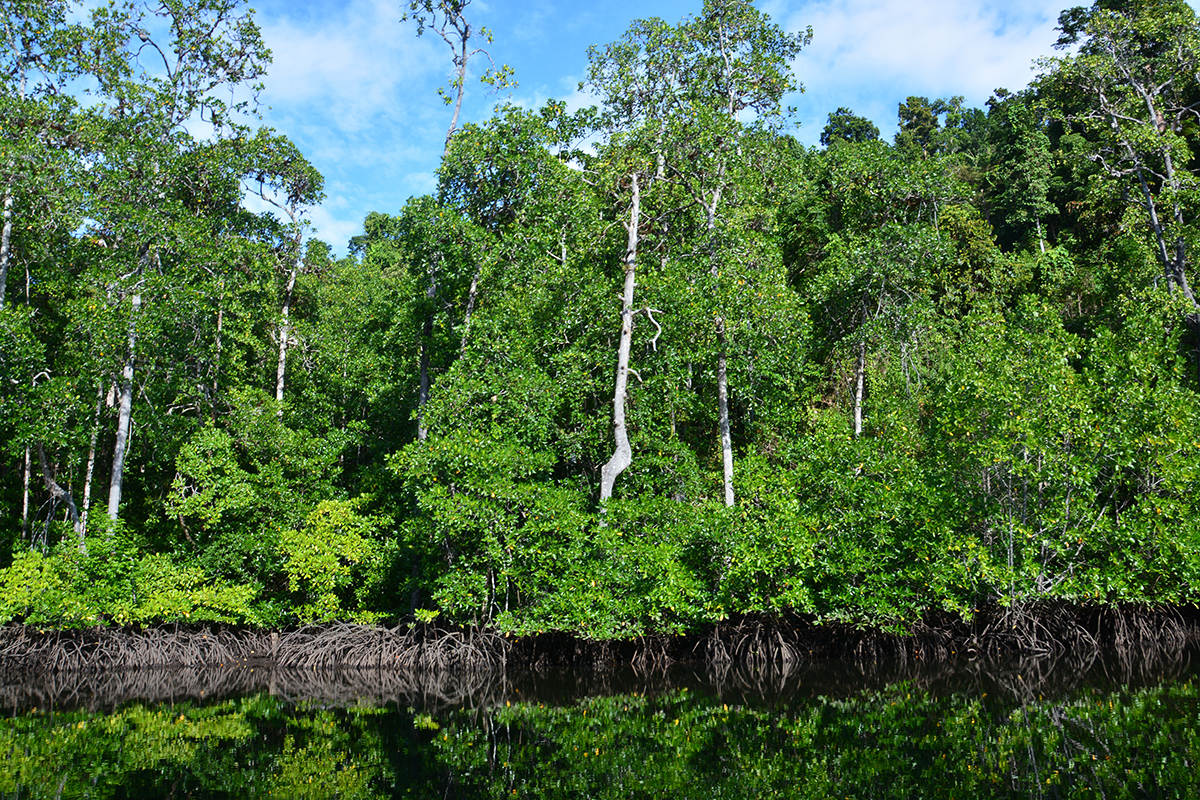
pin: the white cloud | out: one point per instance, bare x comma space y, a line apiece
333, 229
355, 88
871, 54
353, 64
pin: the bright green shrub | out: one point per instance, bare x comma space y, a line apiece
111, 584
331, 551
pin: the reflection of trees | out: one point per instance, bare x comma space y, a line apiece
1055, 727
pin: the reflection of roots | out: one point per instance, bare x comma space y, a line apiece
108, 689
342, 645
318, 647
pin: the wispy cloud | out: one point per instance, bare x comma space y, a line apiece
356, 90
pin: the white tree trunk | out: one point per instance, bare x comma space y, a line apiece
91, 466
723, 409
471, 293
1180, 261
860, 370
6, 232
285, 335
461, 77
25, 496
57, 492
5, 242
1174, 268
622, 456
722, 380
124, 415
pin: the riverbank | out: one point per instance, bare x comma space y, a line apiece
755, 641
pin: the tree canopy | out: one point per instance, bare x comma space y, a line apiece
627, 370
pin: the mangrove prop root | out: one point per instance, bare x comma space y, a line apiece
760, 643
317, 647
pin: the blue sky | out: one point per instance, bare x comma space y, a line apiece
357, 90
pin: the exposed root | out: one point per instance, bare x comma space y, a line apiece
761, 644
317, 647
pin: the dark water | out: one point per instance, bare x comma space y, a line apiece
1088, 728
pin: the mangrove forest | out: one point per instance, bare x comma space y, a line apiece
644, 371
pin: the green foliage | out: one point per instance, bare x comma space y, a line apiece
1019, 182
113, 584
628, 577
238, 487
145, 751
335, 548
922, 133
482, 511
845, 126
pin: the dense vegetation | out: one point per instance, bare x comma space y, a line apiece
634, 369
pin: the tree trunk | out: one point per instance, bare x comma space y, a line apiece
622, 456
860, 370
722, 381
1180, 260
57, 492
723, 409
285, 335
91, 465
461, 79
5, 242
471, 293
6, 230
25, 496
124, 415
1170, 269
1173, 267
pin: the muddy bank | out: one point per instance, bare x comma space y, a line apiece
755, 642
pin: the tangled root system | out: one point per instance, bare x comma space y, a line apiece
758, 643
334, 646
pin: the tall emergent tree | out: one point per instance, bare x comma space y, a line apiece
1021, 176
447, 18
36, 59
744, 65
37, 137
283, 178
686, 91
638, 78
846, 126
1138, 66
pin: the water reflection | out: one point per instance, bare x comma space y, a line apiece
1101, 726
1018, 680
